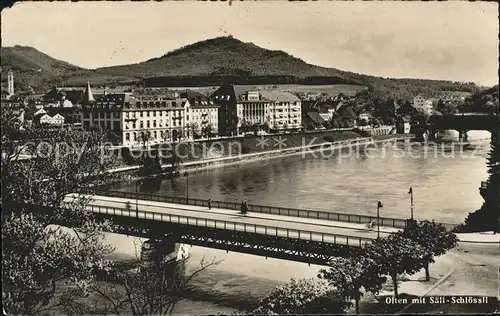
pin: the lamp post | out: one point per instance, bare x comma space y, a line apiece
136, 199
186, 174
379, 205
410, 192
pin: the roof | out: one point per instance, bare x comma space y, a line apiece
279, 96
315, 117
197, 99
87, 95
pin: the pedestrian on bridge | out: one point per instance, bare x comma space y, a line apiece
209, 204
244, 207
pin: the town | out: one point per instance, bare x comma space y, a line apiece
170, 115
235, 158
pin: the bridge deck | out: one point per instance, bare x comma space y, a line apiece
266, 224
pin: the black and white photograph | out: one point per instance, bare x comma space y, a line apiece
250, 158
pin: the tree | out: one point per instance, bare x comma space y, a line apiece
208, 130
303, 296
349, 275
446, 108
488, 217
395, 255
38, 255
148, 288
144, 137
362, 122
265, 127
255, 128
244, 126
193, 129
434, 238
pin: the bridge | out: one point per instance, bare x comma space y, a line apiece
462, 122
309, 240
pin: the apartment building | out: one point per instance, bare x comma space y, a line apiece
241, 104
151, 119
422, 104
203, 114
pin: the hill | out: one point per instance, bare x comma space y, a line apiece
218, 61
32, 66
486, 101
38, 70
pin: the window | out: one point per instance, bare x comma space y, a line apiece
147, 124
127, 137
147, 114
140, 114
142, 124
154, 123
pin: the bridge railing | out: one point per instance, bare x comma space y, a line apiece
293, 212
233, 226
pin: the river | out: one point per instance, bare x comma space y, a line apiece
445, 180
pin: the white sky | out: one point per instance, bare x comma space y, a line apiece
435, 40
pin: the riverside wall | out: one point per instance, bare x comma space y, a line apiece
131, 172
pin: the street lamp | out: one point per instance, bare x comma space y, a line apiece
136, 199
186, 174
379, 206
410, 192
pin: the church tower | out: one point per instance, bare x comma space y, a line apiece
88, 98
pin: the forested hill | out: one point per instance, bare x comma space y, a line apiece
484, 102
228, 60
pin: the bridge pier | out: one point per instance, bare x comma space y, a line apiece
462, 135
431, 135
164, 249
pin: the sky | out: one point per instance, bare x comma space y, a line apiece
434, 40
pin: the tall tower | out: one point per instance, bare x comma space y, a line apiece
10, 78
88, 98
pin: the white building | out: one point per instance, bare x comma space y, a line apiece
46, 119
163, 119
422, 105
240, 105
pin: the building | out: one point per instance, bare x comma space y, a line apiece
46, 119
240, 105
139, 119
203, 114
422, 105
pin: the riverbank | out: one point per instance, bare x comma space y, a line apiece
290, 145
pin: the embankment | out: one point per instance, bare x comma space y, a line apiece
196, 156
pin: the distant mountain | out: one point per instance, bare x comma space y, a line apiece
223, 56
31, 67
36, 69
211, 62
28, 59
